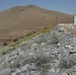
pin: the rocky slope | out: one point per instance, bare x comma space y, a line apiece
52, 53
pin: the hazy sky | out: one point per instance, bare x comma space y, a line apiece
66, 6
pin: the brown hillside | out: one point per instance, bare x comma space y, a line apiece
20, 20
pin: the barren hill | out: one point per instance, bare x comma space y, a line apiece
20, 20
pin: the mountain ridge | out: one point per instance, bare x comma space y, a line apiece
20, 20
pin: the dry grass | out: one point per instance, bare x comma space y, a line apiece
8, 49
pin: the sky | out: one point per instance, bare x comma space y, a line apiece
65, 6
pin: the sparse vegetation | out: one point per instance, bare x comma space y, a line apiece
4, 44
42, 62
26, 38
45, 28
31, 36
55, 38
66, 64
34, 31
15, 40
14, 65
22, 37
28, 34
3, 53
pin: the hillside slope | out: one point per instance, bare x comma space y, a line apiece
50, 53
20, 20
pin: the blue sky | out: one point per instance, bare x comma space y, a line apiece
66, 6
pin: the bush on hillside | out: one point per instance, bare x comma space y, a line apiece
55, 38
65, 64
4, 44
3, 53
15, 40
28, 34
45, 28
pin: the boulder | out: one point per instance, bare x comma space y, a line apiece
24, 68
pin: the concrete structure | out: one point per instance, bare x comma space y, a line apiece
75, 20
69, 25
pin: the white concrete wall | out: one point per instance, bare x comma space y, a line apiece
69, 25
75, 20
